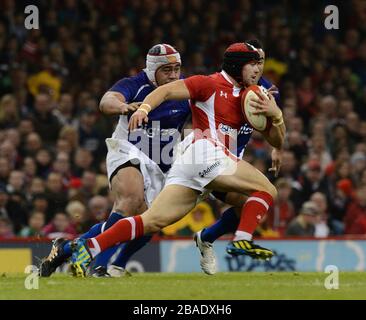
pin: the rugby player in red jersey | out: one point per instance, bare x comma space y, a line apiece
205, 160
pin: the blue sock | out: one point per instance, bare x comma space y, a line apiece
67, 249
128, 249
103, 258
226, 224
112, 219
93, 232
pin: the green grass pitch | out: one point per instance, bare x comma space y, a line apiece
191, 286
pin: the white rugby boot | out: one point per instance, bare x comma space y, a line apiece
208, 258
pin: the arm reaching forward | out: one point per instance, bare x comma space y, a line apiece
176, 90
114, 103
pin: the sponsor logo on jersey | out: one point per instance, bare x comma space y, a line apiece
245, 129
153, 131
223, 94
226, 129
205, 172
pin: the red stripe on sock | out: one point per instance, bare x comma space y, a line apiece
90, 243
121, 231
139, 227
253, 211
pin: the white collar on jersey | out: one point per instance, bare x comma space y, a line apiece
236, 90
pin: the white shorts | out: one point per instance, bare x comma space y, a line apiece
122, 151
199, 162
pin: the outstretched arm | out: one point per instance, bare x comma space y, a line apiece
176, 90
114, 103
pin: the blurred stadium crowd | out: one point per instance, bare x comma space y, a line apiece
52, 153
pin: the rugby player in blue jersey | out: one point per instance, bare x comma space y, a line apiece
136, 162
132, 201
240, 64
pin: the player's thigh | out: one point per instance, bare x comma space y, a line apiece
127, 186
172, 204
246, 179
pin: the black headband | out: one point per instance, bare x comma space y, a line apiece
235, 60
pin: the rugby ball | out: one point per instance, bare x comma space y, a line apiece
259, 122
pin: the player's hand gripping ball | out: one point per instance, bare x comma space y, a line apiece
258, 121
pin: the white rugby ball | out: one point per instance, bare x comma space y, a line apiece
257, 121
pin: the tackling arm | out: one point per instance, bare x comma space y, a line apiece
114, 103
176, 90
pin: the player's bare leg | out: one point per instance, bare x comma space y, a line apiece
172, 204
129, 200
227, 223
128, 189
249, 181
244, 180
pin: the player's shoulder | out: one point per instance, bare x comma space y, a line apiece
206, 80
215, 77
139, 78
131, 84
221, 79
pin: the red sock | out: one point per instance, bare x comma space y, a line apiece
253, 211
122, 231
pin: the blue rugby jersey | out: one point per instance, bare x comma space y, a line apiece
267, 84
157, 137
